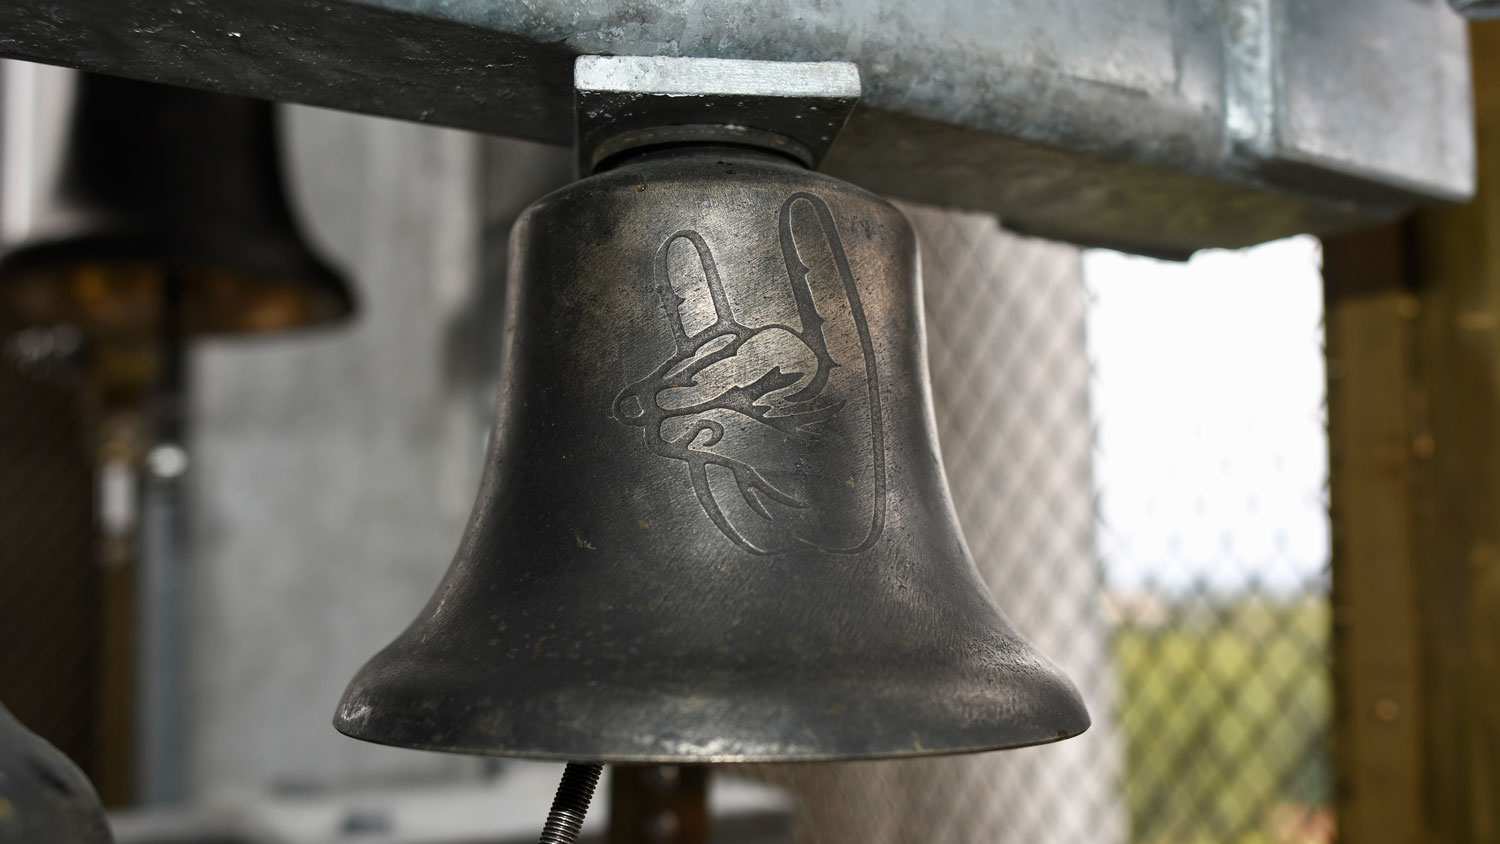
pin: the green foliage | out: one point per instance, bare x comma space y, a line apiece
1226, 711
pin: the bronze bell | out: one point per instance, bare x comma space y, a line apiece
713, 524
43, 795
157, 179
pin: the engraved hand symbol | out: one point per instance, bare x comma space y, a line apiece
763, 386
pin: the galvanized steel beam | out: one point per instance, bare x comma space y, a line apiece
1158, 125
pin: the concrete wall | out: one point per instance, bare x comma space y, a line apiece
334, 471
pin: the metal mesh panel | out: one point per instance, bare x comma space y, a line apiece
1160, 535
1209, 391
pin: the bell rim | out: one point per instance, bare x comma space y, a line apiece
974, 709
725, 759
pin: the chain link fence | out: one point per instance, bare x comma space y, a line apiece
1209, 394
1136, 451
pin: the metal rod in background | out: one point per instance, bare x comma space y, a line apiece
161, 760
571, 804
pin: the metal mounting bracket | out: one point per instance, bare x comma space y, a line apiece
625, 102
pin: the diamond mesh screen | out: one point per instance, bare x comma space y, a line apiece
1137, 462
1212, 466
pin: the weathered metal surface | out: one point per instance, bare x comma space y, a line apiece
714, 525
1333, 62
1088, 120
43, 796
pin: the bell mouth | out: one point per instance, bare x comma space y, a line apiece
686, 713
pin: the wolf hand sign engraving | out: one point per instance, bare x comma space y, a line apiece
771, 399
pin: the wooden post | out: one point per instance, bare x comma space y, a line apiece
658, 804
1413, 321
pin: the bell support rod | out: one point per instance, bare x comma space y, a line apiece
571, 805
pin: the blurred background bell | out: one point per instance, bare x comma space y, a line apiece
155, 179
